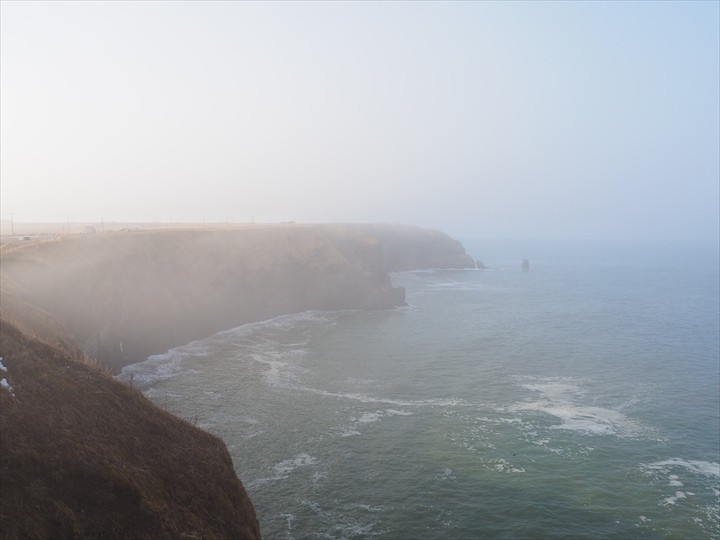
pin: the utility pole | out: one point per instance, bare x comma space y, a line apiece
12, 226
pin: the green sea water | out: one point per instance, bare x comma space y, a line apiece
576, 400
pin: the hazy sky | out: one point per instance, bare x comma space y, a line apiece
596, 120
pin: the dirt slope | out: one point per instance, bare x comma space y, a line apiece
83, 456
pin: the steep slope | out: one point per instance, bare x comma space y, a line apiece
406, 247
126, 296
83, 456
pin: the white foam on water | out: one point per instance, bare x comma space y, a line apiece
445, 475
318, 477
559, 398
277, 374
156, 368
697, 473
355, 381
712, 515
442, 402
364, 398
703, 468
289, 465
459, 286
369, 418
251, 426
283, 469
370, 508
504, 466
674, 498
170, 363
412, 272
673, 481
2, 366
345, 524
289, 521
281, 323
395, 412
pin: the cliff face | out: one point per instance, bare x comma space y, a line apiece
127, 296
405, 247
84, 456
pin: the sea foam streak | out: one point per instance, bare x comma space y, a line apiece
694, 472
171, 363
283, 469
163, 366
704, 468
559, 398
369, 418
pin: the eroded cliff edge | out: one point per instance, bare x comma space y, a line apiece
82, 455
126, 296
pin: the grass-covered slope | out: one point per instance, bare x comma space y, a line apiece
84, 456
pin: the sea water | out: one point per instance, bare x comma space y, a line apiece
579, 399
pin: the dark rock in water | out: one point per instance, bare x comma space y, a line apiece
526, 264
480, 265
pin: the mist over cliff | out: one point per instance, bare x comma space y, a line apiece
83, 455
125, 296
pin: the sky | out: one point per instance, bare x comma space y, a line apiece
549, 119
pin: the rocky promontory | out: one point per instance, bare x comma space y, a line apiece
125, 296
85, 456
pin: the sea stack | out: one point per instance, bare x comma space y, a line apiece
526, 265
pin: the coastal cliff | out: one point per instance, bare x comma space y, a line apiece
126, 296
406, 247
83, 455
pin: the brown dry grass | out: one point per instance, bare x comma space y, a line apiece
83, 456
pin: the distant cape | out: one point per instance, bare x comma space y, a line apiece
123, 296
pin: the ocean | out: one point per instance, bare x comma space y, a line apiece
579, 399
